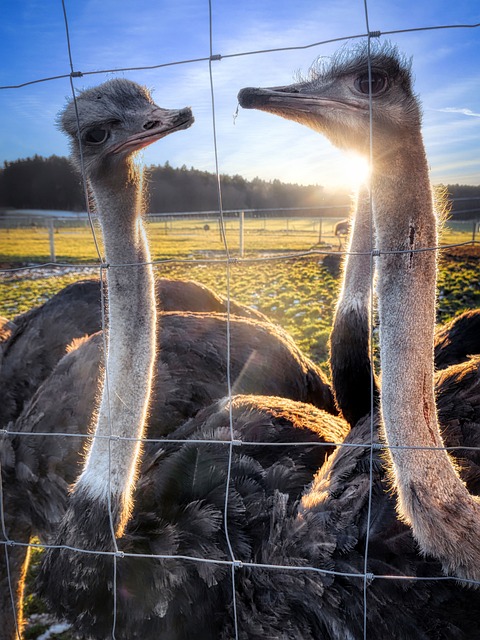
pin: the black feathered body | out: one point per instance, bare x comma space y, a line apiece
458, 339
191, 374
179, 510
352, 375
458, 405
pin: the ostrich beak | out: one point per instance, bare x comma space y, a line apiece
160, 123
290, 99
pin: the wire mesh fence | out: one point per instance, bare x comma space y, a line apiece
225, 237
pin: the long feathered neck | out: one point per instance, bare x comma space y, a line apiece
350, 358
445, 519
111, 463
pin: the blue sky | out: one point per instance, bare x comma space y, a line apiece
107, 34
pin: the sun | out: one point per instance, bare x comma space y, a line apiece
355, 170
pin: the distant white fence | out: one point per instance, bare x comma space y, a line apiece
316, 225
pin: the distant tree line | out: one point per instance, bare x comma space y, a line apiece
466, 205
51, 183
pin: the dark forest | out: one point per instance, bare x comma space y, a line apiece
51, 183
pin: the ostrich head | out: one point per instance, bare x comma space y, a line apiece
115, 119
335, 99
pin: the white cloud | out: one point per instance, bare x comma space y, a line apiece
466, 112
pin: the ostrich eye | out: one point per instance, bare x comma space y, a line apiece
96, 136
377, 85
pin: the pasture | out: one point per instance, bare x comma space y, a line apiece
32, 239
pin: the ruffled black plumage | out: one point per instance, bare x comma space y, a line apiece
179, 511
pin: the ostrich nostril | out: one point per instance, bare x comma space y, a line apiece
151, 124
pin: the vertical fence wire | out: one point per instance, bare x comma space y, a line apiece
11, 590
228, 363
232, 442
103, 273
79, 134
372, 415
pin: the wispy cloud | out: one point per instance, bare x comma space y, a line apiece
465, 112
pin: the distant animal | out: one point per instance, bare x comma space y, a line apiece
342, 229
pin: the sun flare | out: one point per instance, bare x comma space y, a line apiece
355, 170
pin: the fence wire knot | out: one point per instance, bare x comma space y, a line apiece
377, 445
76, 74
370, 577
237, 564
376, 253
119, 554
374, 34
215, 56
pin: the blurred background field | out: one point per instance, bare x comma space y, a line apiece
40, 239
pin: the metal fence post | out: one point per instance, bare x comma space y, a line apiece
241, 233
51, 231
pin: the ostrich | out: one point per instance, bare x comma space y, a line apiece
431, 496
341, 231
190, 374
285, 549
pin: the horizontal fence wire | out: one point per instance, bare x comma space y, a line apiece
218, 57
236, 442
249, 260
233, 442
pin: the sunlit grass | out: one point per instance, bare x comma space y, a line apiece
169, 238
177, 238
298, 293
